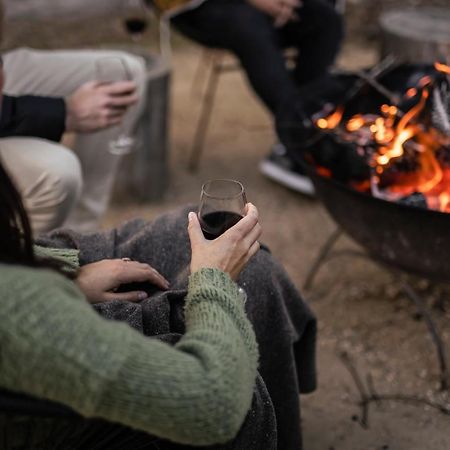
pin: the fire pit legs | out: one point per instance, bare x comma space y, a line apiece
322, 257
326, 253
425, 313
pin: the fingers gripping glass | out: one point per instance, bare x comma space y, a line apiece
222, 205
111, 69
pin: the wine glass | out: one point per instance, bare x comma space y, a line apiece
136, 20
111, 69
222, 205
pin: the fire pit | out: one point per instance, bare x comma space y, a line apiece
399, 129
409, 238
397, 206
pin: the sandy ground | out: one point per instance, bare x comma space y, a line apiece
360, 309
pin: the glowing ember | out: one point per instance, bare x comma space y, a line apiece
412, 92
355, 123
332, 121
442, 68
396, 139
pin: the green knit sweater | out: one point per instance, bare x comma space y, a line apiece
53, 345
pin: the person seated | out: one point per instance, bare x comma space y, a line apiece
54, 346
48, 93
258, 32
177, 287
284, 326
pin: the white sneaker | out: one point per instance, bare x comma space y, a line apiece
280, 168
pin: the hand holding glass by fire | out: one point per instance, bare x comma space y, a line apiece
222, 205
112, 69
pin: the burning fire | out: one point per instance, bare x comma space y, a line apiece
396, 139
442, 68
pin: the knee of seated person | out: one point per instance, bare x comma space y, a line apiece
60, 188
335, 25
137, 67
262, 261
66, 176
250, 26
330, 20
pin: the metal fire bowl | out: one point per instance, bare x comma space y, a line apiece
411, 239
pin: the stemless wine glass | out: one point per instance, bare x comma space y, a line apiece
135, 19
111, 69
222, 205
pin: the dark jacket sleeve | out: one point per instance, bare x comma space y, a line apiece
42, 117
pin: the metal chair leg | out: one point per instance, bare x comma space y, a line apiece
204, 66
205, 113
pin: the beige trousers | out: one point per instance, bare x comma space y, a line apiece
57, 189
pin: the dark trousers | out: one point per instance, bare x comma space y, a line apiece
250, 34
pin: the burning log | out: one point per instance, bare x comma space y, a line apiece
405, 147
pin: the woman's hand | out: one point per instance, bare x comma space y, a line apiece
230, 251
99, 280
282, 11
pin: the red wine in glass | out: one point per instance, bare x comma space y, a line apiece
135, 18
222, 205
215, 223
135, 26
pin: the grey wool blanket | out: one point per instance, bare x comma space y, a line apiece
284, 325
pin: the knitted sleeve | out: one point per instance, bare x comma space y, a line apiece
67, 256
53, 345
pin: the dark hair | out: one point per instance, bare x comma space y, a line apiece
16, 236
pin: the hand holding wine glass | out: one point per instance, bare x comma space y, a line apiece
111, 71
231, 250
225, 233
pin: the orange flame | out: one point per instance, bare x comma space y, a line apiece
411, 92
396, 135
444, 200
442, 68
403, 132
355, 123
332, 121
